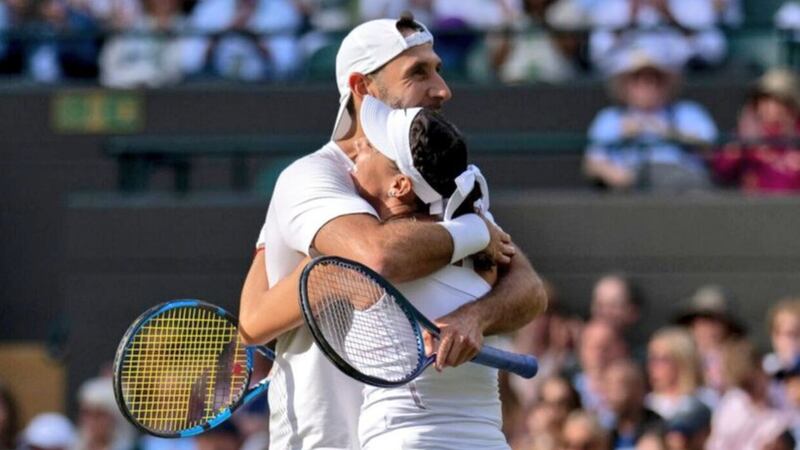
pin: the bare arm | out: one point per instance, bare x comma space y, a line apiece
400, 250
266, 313
515, 300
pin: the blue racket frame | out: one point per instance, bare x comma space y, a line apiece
223, 415
524, 365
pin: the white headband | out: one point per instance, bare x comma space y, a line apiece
388, 131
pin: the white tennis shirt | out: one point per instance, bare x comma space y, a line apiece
457, 409
312, 404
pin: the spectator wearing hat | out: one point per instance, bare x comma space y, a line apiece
689, 428
744, 418
48, 431
766, 155
708, 317
624, 390
647, 141
100, 424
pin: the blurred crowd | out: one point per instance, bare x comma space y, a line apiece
651, 139
132, 43
697, 382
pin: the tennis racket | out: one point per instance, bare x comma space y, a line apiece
181, 369
371, 332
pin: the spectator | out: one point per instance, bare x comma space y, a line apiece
708, 317
616, 300
766, 155
646, 140
111, 14
546, 418
9, 419
100, 424
13, 16
744, 419
688, 28
689, 428
552, 337
380, 9
600, 346
543, 52
48, 431
789, 377
150, 57
624, 391
67, 46
456, 22
237, 49
651, 440
582, 431
673, 370
783, 325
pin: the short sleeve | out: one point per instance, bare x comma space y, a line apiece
310, 193
605, 128
693, 120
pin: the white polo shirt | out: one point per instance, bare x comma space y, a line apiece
312, 404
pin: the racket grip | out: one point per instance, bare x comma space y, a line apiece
525, 366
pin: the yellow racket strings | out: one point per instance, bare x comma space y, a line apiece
182, 368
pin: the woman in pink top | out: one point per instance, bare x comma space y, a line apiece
766, 156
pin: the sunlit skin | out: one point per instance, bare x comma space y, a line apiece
553, 406
600, 346
646, 89
580, 433
412, 79
776, 116
97, 426
611, 302
624, 388
785, 336
662, 368
709, 333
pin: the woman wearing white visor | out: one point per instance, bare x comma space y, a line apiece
412, 165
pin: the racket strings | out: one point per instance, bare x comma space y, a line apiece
182, 368
363, 323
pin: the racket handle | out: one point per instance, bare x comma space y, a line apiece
525, 366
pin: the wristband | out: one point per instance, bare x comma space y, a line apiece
470, 235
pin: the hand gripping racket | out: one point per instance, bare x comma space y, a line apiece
181, 369
371, 332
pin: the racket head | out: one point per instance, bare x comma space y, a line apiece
181, 369
362, 323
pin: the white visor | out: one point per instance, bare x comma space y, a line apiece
388, 130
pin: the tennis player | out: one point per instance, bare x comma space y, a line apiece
412, 164
315, 208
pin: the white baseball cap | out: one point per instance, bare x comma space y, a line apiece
366, 49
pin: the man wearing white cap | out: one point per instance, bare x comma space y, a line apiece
316, 209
